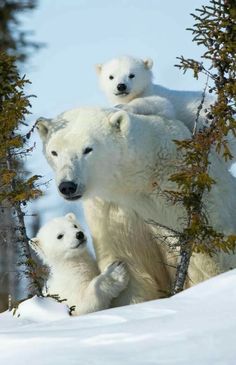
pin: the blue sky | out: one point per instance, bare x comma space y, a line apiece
80, 33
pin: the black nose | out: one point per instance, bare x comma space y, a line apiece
121, 87
80, 235
67, 188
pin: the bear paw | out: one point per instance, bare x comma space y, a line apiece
125, 107
119, 274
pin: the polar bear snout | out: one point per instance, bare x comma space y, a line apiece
70, 190
67, 188
80, 236
122, 88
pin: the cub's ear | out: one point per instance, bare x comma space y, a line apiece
98, 68
70, 217
119, 120
43, 126
148, 63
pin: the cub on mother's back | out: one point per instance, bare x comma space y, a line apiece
127, 83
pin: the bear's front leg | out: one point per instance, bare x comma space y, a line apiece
149, 105
104, 287
114, 279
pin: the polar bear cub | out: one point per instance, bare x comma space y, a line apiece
74, 274
127, 82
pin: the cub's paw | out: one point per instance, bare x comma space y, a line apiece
119, 273
125, 107
119, 106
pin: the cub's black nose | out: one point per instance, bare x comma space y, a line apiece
67, 188
121, 87
80, 235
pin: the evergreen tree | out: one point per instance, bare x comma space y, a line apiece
14, 191
14, 40
215, 29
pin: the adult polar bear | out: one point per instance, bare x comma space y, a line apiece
125, 160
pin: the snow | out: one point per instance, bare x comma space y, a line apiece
195, 327
42, 309
232, 169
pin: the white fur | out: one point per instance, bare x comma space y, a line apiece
122, 181
74, 274
144, 97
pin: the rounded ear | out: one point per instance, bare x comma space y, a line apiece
119, 120
148, 63
43, 126
98, 68
70, 217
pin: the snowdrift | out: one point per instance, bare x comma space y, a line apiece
196, 327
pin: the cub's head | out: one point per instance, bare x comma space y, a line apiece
92, 154
125, 78
61, 238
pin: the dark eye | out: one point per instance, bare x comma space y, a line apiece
75, 226
60, 236
87, 150
111, 77
131, 76
54, 153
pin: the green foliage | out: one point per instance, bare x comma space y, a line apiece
13, 39
15, 189
14, 107
215, 29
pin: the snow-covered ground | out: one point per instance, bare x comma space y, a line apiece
196, 327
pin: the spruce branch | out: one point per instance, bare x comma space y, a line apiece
15, 189
215, 29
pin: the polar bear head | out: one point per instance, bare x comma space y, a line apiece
108, 153
125, 78
97, 152
59, 239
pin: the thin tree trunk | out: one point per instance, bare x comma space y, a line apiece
23, 242
8, 257
182, 269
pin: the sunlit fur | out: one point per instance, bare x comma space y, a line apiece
122, 183
74, 274
143, 96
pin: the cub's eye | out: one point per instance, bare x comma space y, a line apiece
75, 226
111, 77
60, 236
87, 150
54, 153
131, 76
